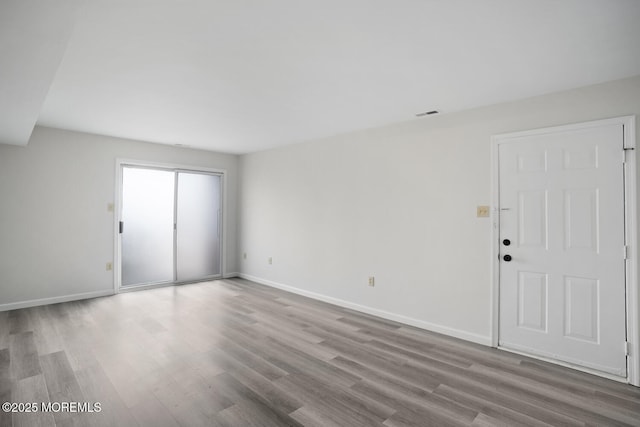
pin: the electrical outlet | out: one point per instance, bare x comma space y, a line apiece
270, 260
109, 266
482, 211
372, 281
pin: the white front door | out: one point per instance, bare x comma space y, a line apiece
562, 242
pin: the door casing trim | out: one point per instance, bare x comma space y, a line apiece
631, 235
117, 212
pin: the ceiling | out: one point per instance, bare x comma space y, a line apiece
245, 75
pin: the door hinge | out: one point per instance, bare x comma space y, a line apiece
627, 348
625, 252
120, 227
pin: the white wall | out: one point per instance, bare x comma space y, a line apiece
56, 234
398, 203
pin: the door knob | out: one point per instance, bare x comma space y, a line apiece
506, 242
507, 258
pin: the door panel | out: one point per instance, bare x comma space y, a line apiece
198, 231
562, 294
532, 218
581, 308
147, 235
581, 220
532, 300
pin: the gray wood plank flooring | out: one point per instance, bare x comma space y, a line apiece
235, 353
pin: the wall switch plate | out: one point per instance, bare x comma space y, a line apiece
482, 211
270, 260
372, 281
244, 255
110, 207
109, 266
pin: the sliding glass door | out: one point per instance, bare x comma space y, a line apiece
198, 226
147, 226
170, 226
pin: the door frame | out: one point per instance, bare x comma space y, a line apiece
632, 292
117, 241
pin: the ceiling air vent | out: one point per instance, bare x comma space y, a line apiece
427, 113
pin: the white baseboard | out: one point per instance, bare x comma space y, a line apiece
445, 330
55, 300
230, 275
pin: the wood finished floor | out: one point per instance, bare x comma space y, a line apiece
234, 353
